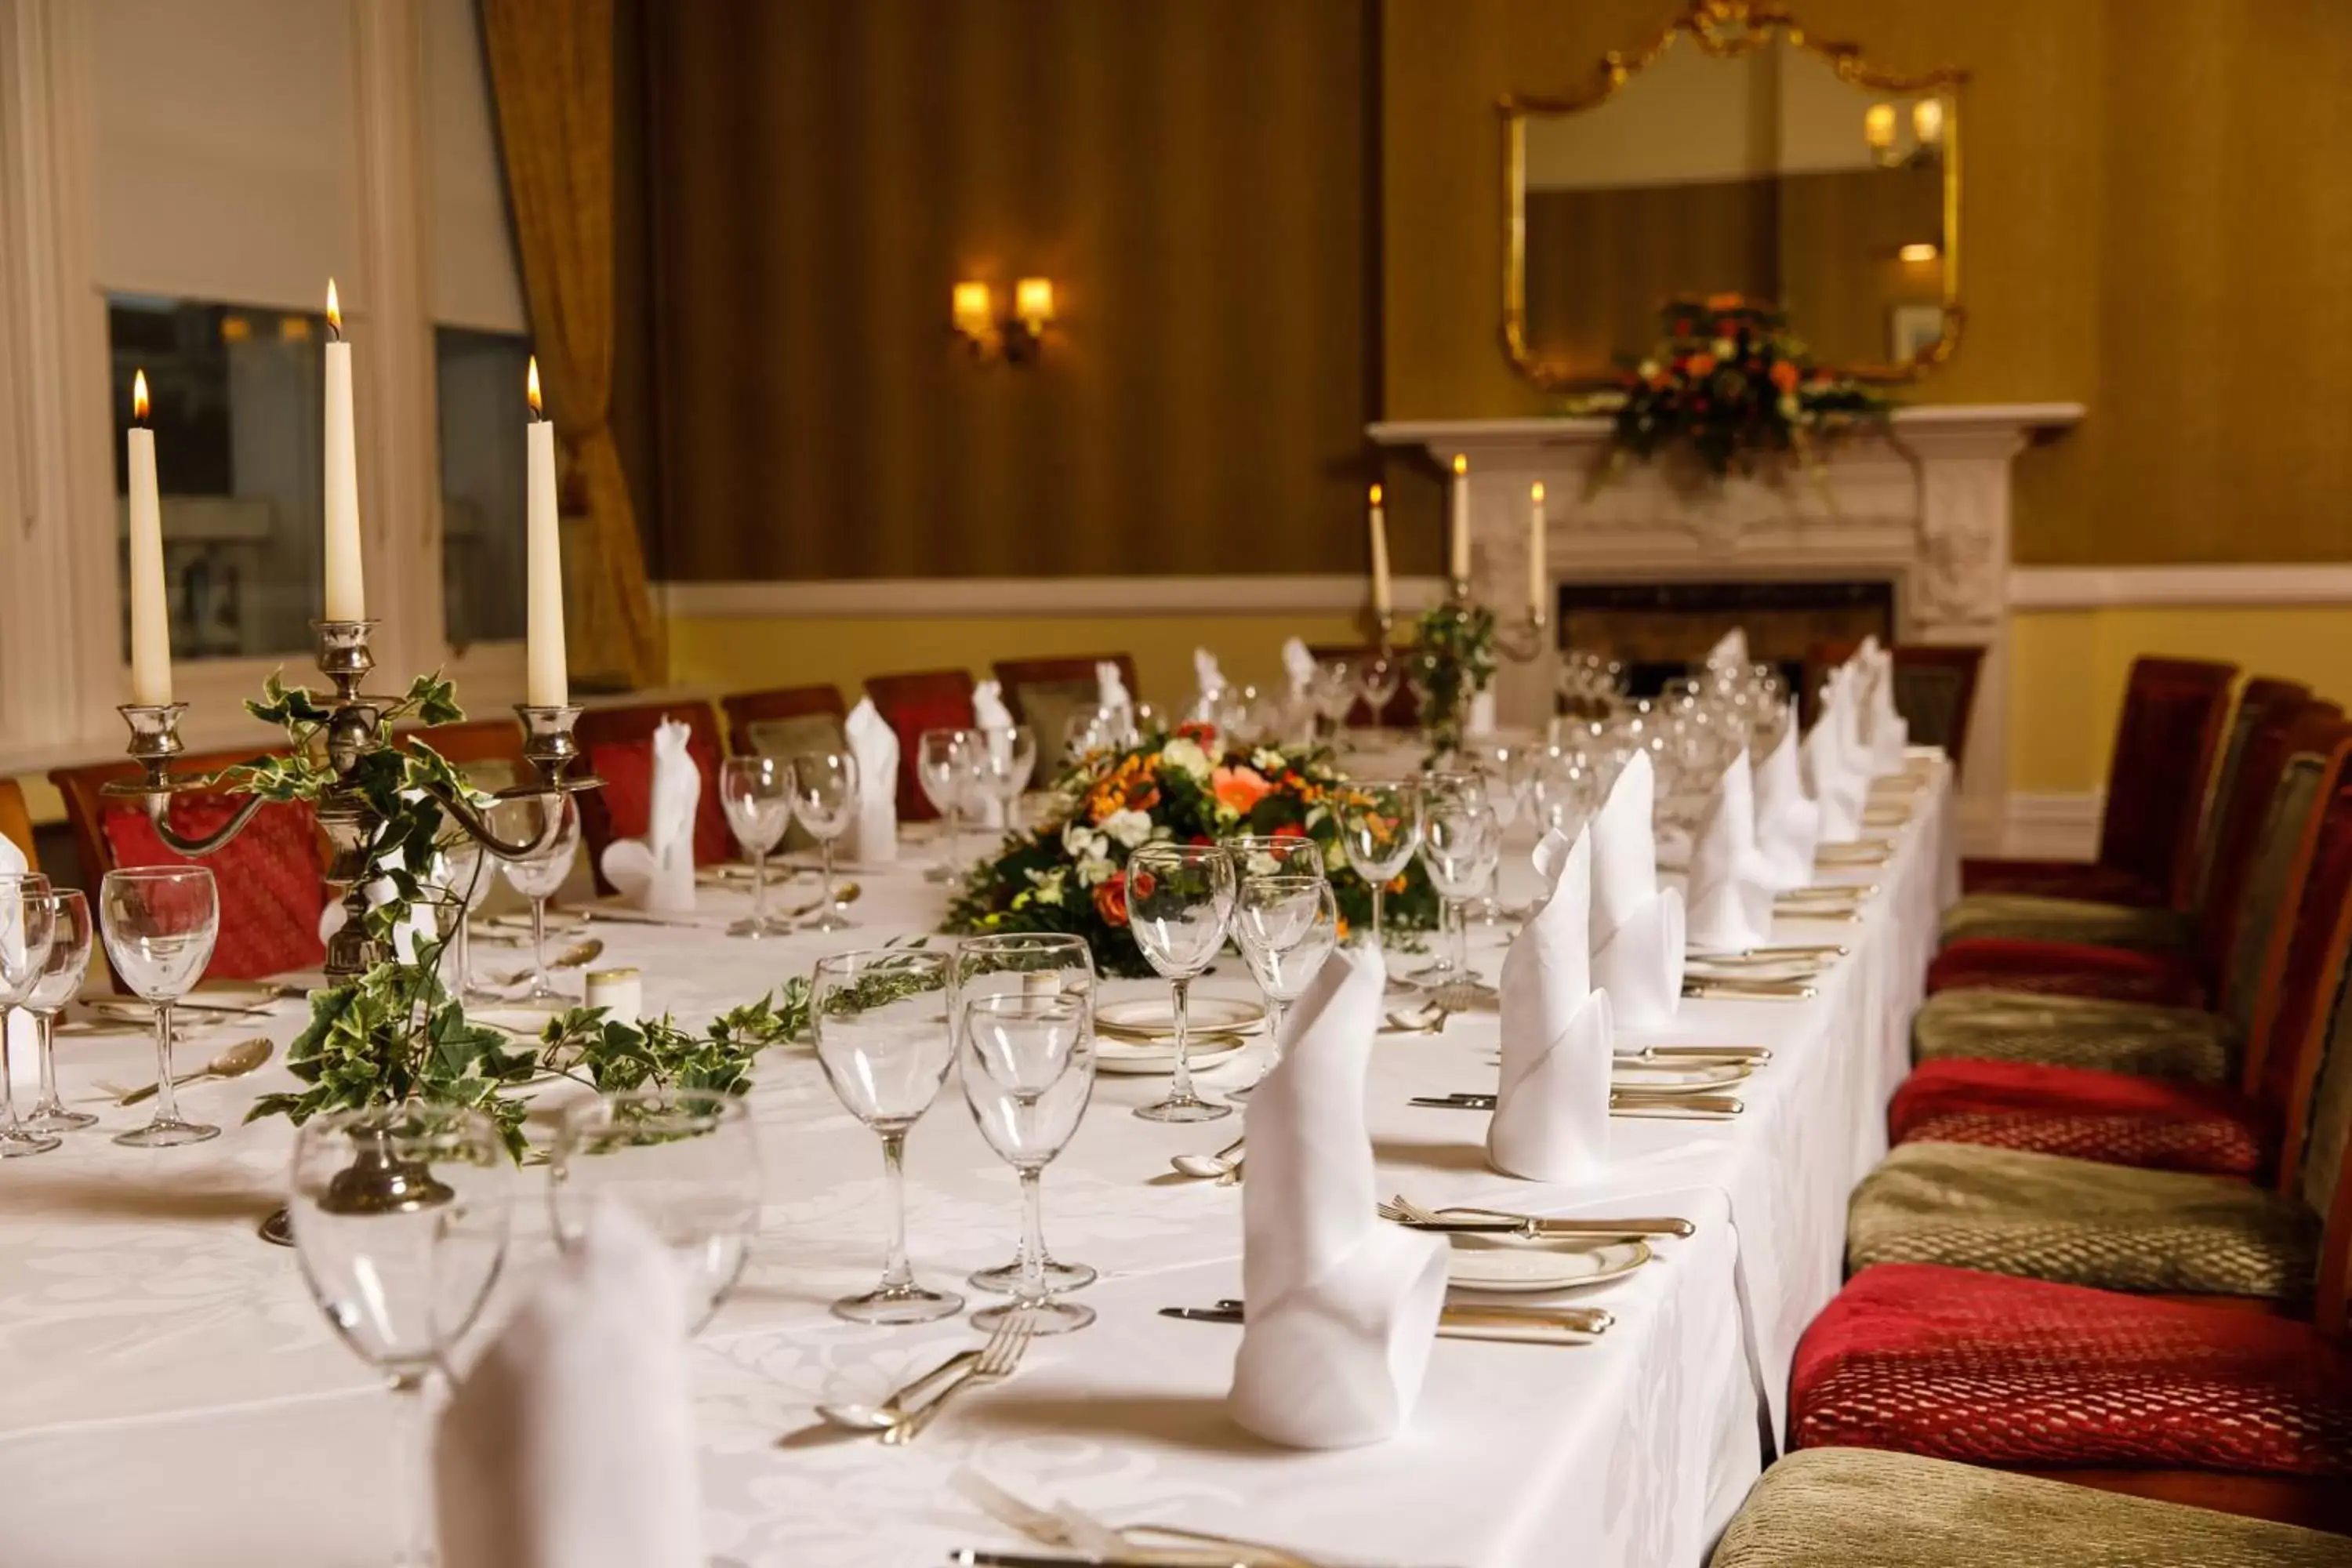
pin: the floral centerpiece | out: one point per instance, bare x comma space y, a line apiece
1067, 872
1728, 378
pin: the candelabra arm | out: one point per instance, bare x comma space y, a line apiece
158, 813
1525, 641
476, 826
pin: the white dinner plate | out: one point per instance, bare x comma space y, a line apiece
557, 920
1153, 1018
1491, 1263
1135, 1058
1677, 1075
1699, 967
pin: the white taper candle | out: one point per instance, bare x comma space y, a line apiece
150, 614
546, 681
346, 595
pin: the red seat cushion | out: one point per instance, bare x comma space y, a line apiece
909, 714
270, 878
627, 769
1994, 1370
2062, 879
2156, 1124
2066, 969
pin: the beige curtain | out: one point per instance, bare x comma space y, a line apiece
552, 75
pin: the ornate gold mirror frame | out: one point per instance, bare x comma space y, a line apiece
1724, 29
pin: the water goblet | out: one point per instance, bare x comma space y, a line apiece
1566, 789
1287, 924
539, 874
28, 928
60, 983
1460, 847
399, 1216
946, 768
886, 1049
1036, 964
824, 790
1378, 676
1028, 1061
1332, 690
1265, 854
757, 795
684, 1161
1379, 832
1179, 898
159, 923
1005, 758
461, 876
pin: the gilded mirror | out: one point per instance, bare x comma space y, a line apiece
1734, 153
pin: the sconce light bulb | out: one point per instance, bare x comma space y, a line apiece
1032, 302
1919, 250
970, 310
1927, 120
1878, 126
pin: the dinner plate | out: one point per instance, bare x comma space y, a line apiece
1136, 1059
1153, 1018
1699, 967
1677, 1075
1500, 1264
557, 920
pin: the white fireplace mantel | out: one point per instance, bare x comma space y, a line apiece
1925, 506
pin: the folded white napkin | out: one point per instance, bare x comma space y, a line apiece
1637, 926
1110, 686
1297, 664
993, 719
1208, 675
1342, 1305
23, 1042
1482, 713
873, 835
656, 872
1730, 882
1839, 788
1788, 822
1551, 1114
1885, 730
570, 1442
1730, 652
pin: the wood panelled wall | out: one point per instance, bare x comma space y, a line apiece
1196, 177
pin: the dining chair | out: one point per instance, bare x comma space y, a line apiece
617, 745
784, 720
16, 822
1934, 687
911, 703
1403, 711
1045, 694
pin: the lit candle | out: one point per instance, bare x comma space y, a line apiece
1538, 579
1378, 525
346, 589
1458, 558
547, 683
150, 618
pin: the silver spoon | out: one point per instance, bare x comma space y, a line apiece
1205, 1166
843, 897
572, 957
892, 1410
235, 1062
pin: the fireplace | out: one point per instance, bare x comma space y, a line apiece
1664, 629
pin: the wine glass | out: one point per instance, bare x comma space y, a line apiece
685, 1162
1036, 964
1287, 924
537, 876
1332, 690
757, 795
60, 983
824, 790
1179, 899
1378, 676
886, 1049
1101, 728
1379, 832
1003, 764
28, 928
1460, 844
160, 923
1264, 854
400, 1216
1566, 790
1028, 1060
946, 766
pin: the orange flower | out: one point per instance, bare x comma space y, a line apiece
1239, 789
1110, 897
1702, 364
1784, 375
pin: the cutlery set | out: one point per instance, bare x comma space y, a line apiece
1635, 1104
902, 1416
1508, 1325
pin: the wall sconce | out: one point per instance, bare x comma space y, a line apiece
1878, 132
1919, 250
1927, 121
1017, 337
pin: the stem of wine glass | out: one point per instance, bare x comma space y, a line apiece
1180, 1091
411, 1500
465, 950
760, 886
1274, 1006
167, 1099
1031, 1286
45, 1033
898, 1274
540, 981
955, 836
1379, 903
7, 1089
1458, 945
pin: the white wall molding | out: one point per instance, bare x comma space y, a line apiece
2052, 827
2215, 585
927, 599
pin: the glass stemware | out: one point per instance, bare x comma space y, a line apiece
460, 877
824, 787
1036, 964
1380, 833
1028, 1061
886, 1049
1287, 924
1267, 854
538, 877
28, 926
1004, 762
1179, 898
685, 1162
947, 766
1460, 847
160, 923
1377, 677
60, 983
399, 1216
757, 795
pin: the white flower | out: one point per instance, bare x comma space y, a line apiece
1184, 754
1723, 348
1092, 873
1649, 369
1128, 828
1789, 406
1047, 885
1267, 760
1079, 841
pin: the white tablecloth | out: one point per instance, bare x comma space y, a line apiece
169, 1392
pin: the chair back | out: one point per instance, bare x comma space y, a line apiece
1403, 711
912, 703
2316, 1156
16, 823
2262, 700
1046, 693
2275, 735
488, 752
1934, 687
271, 877
784, 721
617, 745
2167, 736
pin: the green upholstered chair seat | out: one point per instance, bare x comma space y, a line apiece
1048, 706
2075, 1031
784, 739
2076, 1222
1860, 1508
2032, 917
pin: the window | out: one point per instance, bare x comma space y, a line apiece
478, 384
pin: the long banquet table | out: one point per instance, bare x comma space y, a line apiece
169, 1392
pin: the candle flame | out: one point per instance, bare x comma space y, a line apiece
138, 398
530, 389
1461, 465
334, 314
1534, 490
1376, 495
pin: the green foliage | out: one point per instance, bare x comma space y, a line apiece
615, 1058
1453, 660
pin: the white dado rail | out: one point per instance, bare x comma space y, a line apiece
1927, 507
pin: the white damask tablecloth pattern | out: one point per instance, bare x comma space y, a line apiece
168, 1392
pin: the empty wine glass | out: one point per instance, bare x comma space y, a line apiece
757, 795
1460, 847
539, 874
1028, 1061
1032, 963
460, 878
1379, 832
1566, 789
885, 1045
60, 983
685, 1162
1378, 676
947, 766
28, 926
160, 923
399, 1216
1287, 925
1003, 760
824, 787
1179, 899
1332, 690
1264, 854
1102, 727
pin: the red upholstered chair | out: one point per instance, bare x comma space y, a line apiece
617, 745
1403, 711
2156, 779
1934, 687
16, 823
488, 752
912, 703
271, 878
746, 711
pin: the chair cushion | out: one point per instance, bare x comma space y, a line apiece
2074, 1031
2156, 1124
270, 879
2048, 1217
1995, 1370
627, 770
1865, 1508
2060, 879
2067, 969
2034, 918
1048, 706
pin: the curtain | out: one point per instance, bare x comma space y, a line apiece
551, 78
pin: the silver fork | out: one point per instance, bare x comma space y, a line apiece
998, 1358
1404, 1209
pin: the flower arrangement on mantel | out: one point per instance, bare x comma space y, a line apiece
1065, 873
1728, 378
